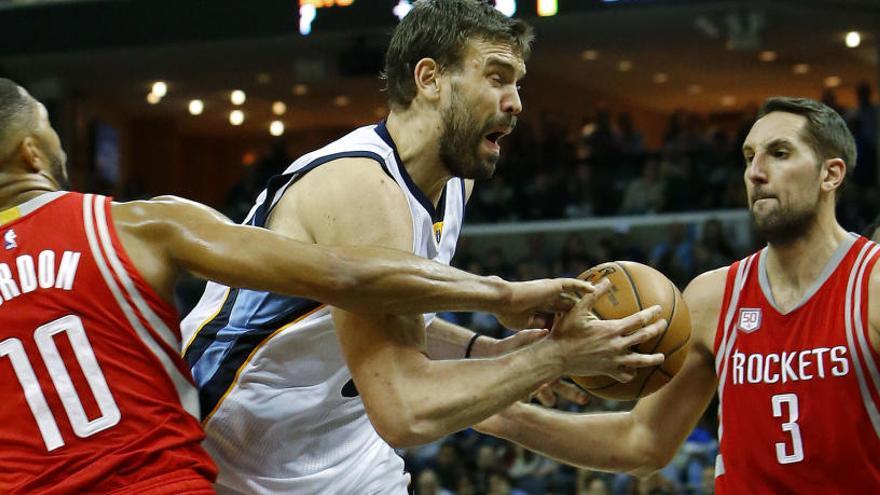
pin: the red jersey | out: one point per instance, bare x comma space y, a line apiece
798, 391
95, 396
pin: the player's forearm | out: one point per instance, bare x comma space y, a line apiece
449, 341
432, 399
613, 442
356, 278
389, 281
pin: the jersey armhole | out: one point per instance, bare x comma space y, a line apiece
165, 310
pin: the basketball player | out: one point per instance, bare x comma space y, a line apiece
789, 336
96, 396
300, 397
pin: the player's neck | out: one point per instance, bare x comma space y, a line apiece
797, 264
15, 190
417, 137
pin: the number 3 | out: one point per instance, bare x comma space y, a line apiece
791, 427
33, 394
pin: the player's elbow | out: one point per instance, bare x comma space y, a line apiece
650, 460
403, 432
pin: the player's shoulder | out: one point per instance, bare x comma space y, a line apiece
159, 209
349, 183
704, 298
708, 286
346, 199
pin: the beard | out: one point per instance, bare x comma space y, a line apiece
462, 138
785, 224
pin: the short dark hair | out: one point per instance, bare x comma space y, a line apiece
440, 29
825, 131
16, 109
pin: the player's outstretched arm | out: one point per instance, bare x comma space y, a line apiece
198, 239
646, 438
409, 398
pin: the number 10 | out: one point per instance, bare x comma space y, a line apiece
33, 394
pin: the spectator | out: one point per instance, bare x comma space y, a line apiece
427, 484
500, 484
646, 193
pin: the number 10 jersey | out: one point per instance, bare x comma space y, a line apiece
798, 391
95, 396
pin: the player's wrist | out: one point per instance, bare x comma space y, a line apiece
550, 354
502, 295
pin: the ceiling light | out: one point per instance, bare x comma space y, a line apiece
307, 14
767, 56
661, 77
853, 39
196, 107
237, 97
728, 100
301, 89
624, 66
341, 101
506, 7
159, 89
547, 8
402, 9
800, 69
152, 98
833, 81
236, 117
694, 89
589, 55
279, 108
276, 128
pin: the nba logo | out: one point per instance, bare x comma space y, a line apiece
438, 230
9, 240
749, 319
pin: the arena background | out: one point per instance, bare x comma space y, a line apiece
628, 147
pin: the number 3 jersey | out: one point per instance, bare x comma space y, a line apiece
798, 391
95, 396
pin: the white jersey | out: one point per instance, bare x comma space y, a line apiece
280, 410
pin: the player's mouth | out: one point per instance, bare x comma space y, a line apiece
494, 137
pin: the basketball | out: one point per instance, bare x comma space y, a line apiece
634, 287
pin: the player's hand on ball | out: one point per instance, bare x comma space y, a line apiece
589, 346
532, 304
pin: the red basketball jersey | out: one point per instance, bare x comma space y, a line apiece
798, 391
95, 396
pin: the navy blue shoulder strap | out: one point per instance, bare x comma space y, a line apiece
279, 182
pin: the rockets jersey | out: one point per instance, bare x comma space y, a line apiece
282, 414
96, 397
798, 392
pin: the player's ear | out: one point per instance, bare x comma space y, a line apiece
31, 155
833, 172
427, 78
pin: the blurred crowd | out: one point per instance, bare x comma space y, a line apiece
602, 168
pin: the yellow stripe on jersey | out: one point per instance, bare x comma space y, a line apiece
438, 230
251, 355
9, 215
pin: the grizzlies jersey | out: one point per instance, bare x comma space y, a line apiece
279, 407
799, 391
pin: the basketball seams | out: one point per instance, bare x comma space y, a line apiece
674, 351
632, 285
668, 321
